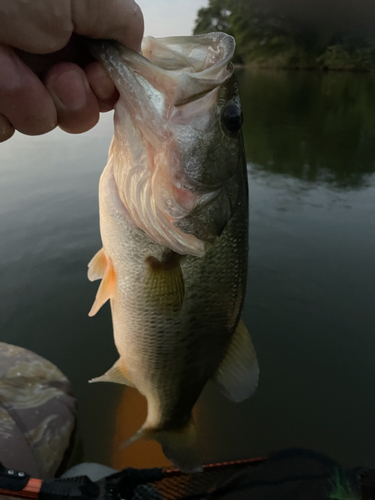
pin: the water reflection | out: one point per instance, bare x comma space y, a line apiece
318, 127
311, 287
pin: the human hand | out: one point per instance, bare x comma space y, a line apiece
36, 40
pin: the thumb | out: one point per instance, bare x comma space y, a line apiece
121, 20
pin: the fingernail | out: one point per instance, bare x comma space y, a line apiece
70, 89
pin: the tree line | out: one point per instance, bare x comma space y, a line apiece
273, 33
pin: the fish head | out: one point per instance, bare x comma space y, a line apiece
207, 139
177, 147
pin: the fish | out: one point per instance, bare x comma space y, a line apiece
173, 206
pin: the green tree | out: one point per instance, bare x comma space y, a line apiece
215, 17
269, 34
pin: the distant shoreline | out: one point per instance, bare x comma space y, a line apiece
271, 36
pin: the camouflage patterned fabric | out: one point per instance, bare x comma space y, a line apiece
37, 412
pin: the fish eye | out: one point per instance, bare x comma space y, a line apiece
231, 118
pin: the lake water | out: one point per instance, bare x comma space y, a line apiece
310, 141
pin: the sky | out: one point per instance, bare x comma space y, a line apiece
170, 17
176, 17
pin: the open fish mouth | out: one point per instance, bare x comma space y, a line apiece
168, 102
188, 66
202, 65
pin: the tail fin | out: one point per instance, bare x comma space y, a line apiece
179, 446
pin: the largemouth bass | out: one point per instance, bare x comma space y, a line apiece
173, 204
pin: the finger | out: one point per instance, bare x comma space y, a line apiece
24, 101
38, 26
6, 129
118, 19
45, 26
102, 86
76, 105
75, 51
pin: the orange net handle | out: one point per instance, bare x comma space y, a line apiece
218, 466
31, 490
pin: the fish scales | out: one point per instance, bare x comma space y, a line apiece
175, 243
208, 316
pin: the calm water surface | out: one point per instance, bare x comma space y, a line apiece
310, 141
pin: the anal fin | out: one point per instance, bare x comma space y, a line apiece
97, 266
238, 373
117, 374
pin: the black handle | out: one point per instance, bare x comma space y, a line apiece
80, 487
12, 480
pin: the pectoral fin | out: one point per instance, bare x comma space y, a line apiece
238, 373
97, 266
165, 287
117, 374
105, 290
